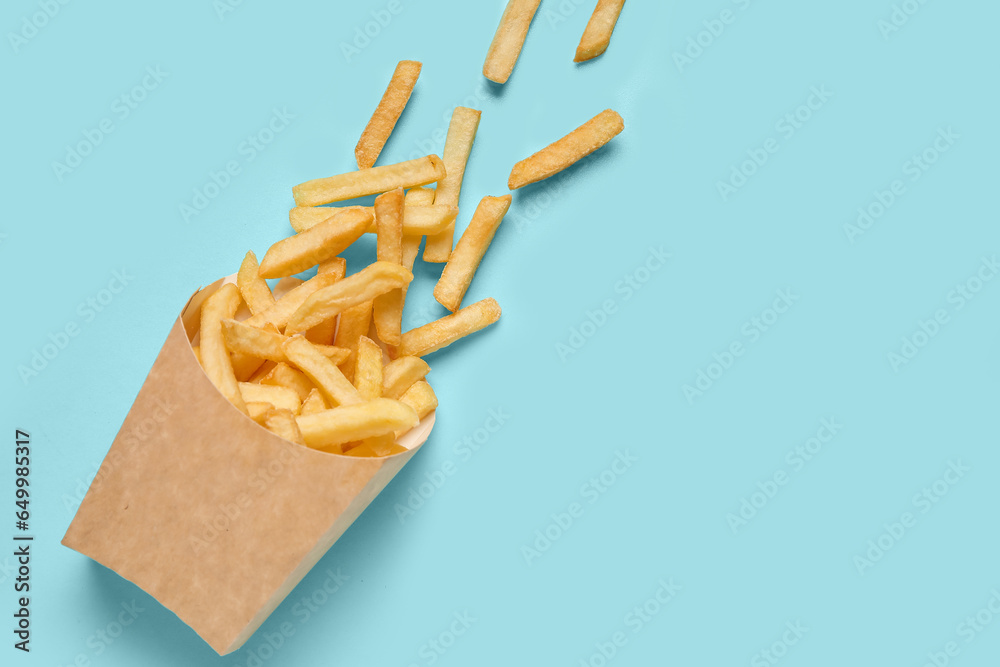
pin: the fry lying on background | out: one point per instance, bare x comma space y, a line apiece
597, 36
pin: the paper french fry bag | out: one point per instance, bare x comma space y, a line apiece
208, 512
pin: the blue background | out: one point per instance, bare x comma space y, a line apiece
564, 248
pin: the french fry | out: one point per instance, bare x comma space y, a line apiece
323, 333
421, 398
336, 266
255, 291
263, 344
337, 355
353, 323
247, 361
389, 109
363, 450
425, 218
365, 285
320, 191
282, 423
280, 397
397, 449
388, 310
445, 331
283, 308
461, 267
302, 218
417, 197
575, 146
356, 422
508, 40
318, 244
244, 366
457, 147
368, 369
262, 372
314, 403
323, 372
258, 411
283, 375
252, 341
215, 357
597, 36
380, 445
197, 353
411, 242
399, 375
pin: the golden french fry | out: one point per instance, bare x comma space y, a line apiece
418, 196
244, 366
337, 355
399, 375
368, 369
323, 372
461, 267
262, 372
255, 291
388, 310
418, 219
365, 285
389, 109
320, 191
397, 449
280, 397
380, 445
445, 331
283, 308
314, 403
352, 324
197, 353
215, 357
246, 363
597, 36
575, 146
458, 145
362, 450
283, 375
508, 40
421, 398
356, 422
318, 244
411, 242
263, 344
282, 423
337, 266
306, 217
253, 341
258, 411
323, 333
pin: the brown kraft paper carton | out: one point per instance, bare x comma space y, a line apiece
211, 514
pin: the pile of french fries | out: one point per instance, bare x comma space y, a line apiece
324, 362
